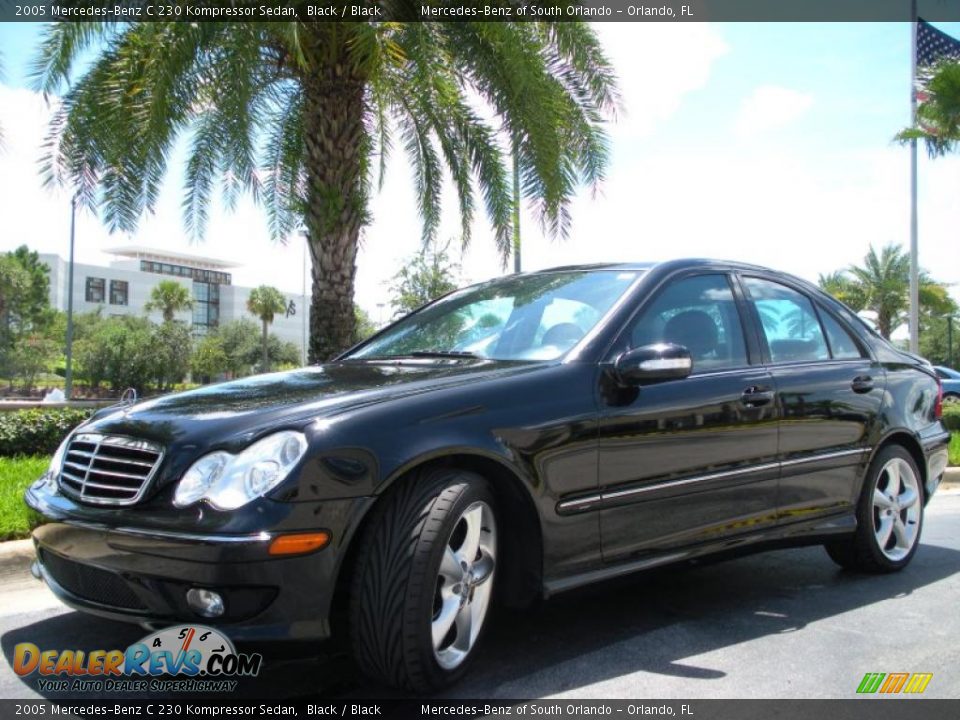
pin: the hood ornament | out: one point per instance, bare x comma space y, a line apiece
129, 396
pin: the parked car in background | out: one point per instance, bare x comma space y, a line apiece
950, 379
510, 441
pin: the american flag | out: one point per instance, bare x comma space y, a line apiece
934, 45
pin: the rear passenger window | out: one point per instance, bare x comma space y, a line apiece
789, 322
842, 345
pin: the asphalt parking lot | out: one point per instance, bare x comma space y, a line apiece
783, 624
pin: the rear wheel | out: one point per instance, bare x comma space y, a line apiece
424, 580
889, 516
951, 398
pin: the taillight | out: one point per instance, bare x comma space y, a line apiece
938, 408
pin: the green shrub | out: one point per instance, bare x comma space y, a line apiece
37, 431
951, 416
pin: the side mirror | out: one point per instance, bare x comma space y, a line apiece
662, 361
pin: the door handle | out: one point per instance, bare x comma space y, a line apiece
862, 384
755, 395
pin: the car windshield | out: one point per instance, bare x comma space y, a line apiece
527, 317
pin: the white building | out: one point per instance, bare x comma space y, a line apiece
123, 288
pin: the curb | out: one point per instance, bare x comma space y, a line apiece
951, 477
16, 555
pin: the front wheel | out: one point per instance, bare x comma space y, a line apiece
424, 580
889, 516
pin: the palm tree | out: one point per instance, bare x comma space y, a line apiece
882, 285
938, 112
303, 115
169, 297
265, 302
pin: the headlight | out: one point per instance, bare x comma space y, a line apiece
229, 481
48, 481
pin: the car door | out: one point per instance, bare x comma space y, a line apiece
829, 390
688, 460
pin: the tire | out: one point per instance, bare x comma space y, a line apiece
888, 530
410, 581
951, 398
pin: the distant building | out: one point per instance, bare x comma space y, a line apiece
123, 288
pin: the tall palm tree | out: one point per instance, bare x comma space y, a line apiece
169, 297
265, 302
303, 115
882, 285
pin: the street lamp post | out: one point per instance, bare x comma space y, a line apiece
68, 376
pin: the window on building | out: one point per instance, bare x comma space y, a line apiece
119, 292
206, 306
96, 289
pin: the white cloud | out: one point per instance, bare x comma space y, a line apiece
658, 64
769, 107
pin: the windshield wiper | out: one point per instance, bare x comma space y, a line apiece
443, 354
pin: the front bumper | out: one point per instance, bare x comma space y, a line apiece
142, 575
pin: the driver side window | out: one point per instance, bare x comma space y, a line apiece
699, 313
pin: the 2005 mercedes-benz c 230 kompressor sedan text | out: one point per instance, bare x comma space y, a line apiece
511, 440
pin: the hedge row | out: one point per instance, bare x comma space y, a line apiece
951, 416
37, 431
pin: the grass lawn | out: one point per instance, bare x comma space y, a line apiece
16, 519
954, 449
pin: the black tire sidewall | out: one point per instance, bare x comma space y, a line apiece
470, 488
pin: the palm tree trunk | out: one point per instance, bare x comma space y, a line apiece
264, 358
335, 201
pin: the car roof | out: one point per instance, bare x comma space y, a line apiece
676, 264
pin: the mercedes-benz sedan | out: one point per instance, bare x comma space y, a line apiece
509, 441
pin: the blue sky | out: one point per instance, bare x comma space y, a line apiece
764, 142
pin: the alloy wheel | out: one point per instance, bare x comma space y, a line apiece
896, 509
464, 585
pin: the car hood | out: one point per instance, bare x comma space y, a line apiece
232, 413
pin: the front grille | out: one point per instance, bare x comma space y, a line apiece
107, 469
90, 583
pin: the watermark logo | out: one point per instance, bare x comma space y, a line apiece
893, 683
202, 658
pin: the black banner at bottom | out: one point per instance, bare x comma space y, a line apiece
865, 708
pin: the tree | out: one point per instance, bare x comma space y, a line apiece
172, 345
118, 350
308, 114
938, 113
169, 297
24, 302
364, 326
33, 354
209, 357
424, 277
882, 285
241, 344
265, 302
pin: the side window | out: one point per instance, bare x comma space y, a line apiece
699, 313
789, 322
842, 345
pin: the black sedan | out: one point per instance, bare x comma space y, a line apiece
509, 441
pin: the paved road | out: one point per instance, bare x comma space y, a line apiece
782, 624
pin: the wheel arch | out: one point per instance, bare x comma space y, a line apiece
910, 443
520, 573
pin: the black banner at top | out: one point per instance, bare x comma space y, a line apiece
475, 10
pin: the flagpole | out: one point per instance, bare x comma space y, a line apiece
914, 259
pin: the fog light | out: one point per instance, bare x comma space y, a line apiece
205, 602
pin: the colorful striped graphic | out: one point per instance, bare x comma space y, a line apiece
892, 683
